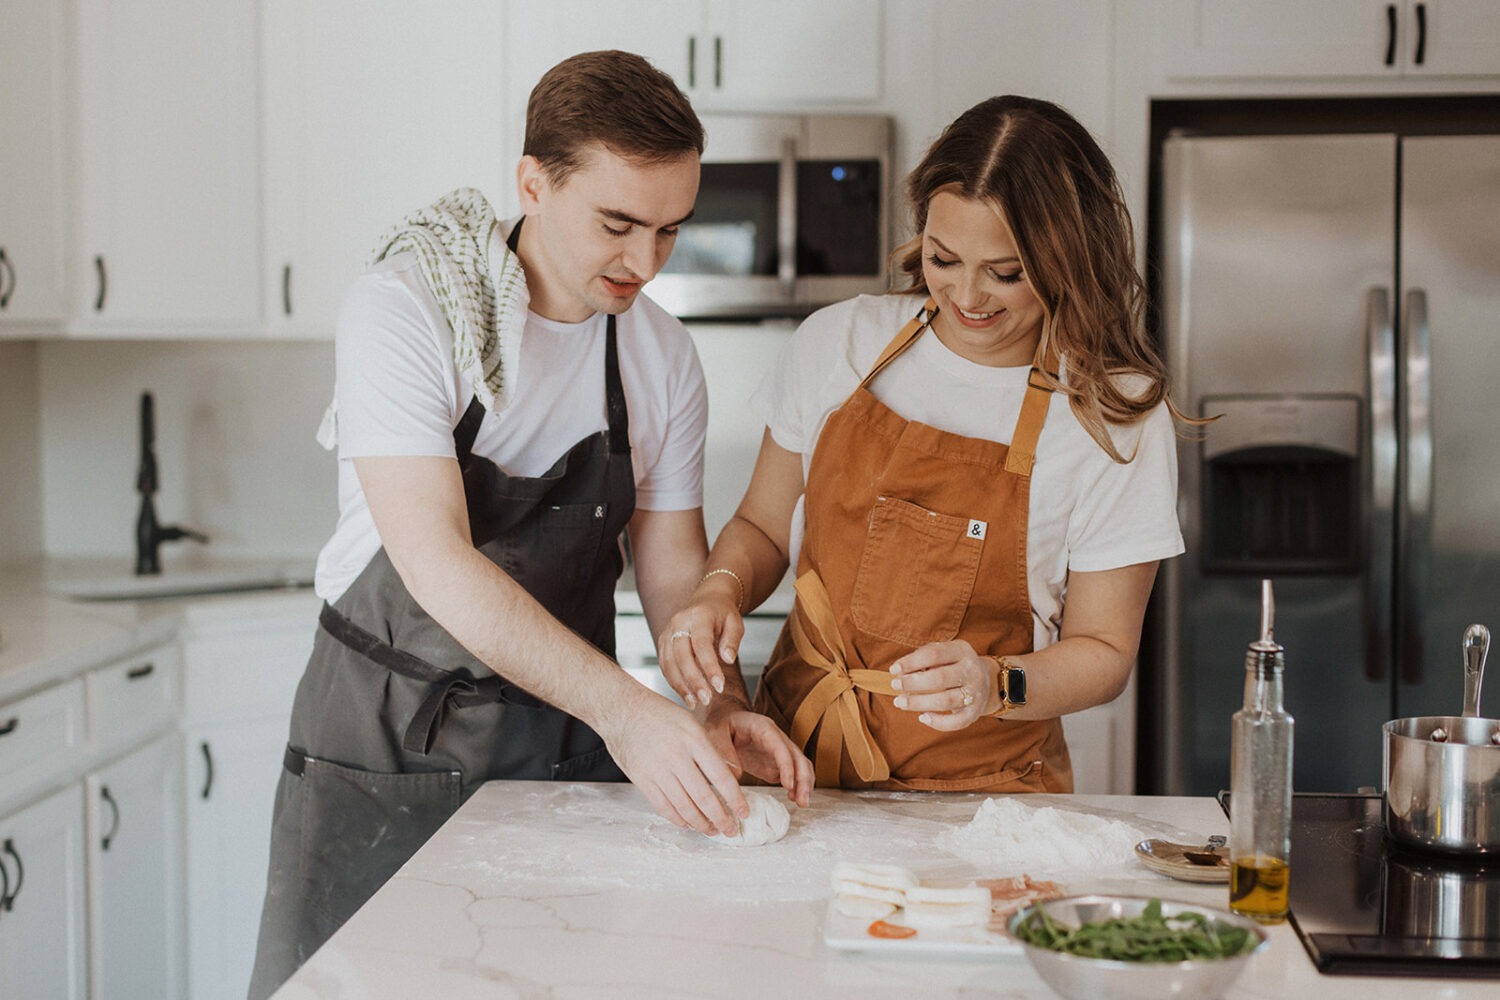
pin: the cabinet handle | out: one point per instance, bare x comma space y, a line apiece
4, 884
1390, 34
10, 725
144, 670
208, 760
114, 808
1421, 55
6, 270
103, 282
718, 62
692, 61
286, 290
9, 902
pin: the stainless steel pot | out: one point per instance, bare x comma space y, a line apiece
1442, 773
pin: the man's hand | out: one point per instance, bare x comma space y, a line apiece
760, 748
667, 754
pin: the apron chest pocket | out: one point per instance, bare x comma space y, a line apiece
916, 573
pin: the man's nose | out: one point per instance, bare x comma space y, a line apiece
644, 254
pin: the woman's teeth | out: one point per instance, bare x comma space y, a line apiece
975, 316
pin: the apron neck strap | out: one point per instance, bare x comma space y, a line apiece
1022, 454
909, 333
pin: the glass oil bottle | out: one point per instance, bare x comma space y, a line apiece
1260, 800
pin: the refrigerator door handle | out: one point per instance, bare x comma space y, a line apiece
1416, 488
1380, 526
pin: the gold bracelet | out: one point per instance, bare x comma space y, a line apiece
739, 604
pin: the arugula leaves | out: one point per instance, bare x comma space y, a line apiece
1149, 937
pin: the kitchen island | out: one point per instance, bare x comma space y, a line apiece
535, 889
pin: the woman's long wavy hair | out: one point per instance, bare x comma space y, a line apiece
1052, 185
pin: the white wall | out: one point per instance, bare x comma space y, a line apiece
235, 452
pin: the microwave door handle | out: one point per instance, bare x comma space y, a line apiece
786, 220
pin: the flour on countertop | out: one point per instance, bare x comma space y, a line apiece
1008, 837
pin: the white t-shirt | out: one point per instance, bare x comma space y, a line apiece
398, 392
1088, 512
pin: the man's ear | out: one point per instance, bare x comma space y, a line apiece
531, 184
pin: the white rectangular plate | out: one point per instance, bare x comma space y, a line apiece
852, 934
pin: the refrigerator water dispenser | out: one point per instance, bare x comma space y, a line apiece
1281, 485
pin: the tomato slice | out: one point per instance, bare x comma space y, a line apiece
881, 929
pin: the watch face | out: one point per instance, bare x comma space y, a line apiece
1015, 686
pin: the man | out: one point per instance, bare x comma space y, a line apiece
503, 414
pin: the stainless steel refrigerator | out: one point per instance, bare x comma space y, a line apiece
1337, 299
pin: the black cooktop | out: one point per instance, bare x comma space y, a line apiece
1363, 905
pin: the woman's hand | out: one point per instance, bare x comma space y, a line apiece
948, 683
697, 642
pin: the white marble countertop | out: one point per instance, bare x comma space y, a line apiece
549, 890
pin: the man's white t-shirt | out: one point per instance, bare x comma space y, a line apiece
398, 393
1088, 512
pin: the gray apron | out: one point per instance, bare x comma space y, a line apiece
395, 724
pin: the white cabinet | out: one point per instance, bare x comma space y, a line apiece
1263, 39
766, 56
372, 110
32, 75
168, 165
134, 852
42, 913
240, 683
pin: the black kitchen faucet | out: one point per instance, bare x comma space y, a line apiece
148, 534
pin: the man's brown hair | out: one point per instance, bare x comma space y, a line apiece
614, 98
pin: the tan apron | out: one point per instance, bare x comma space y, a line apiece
913, 535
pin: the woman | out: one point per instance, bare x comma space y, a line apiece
976, 507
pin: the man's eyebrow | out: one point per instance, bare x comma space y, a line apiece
998, 260
619, 216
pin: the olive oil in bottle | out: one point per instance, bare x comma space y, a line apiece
1260, 798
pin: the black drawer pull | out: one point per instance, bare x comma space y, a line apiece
114, 826
208, 760
144, 670
1390, 34
10, 725
1421, 55
6, 269
286, 290
103, 283
9, 901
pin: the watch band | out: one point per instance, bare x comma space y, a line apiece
1011, 682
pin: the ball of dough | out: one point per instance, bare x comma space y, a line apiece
766, 824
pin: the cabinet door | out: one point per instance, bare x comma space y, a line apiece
31, 78
1281, 38
231, 773
779, 52
167, 205
372, 111
135, 875
42, 928
1458, 38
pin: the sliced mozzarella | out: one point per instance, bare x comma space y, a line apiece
863, 907
939, 906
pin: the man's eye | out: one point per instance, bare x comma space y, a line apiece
670, 232
616, 232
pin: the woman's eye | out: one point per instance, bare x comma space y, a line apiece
937, 261
1007, 279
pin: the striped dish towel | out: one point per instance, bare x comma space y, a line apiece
479, 284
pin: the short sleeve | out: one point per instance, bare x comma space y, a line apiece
394, 375
674, 480
1127, 514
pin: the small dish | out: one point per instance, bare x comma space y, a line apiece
1167, 858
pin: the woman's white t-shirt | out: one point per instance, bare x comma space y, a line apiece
1087, 513
398, 393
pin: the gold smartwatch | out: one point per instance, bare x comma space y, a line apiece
1011, 681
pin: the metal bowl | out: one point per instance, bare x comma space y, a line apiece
1079, 978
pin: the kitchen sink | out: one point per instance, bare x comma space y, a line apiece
181, 583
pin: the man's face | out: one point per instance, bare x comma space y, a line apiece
592, 241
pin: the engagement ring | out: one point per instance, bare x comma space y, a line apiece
968, 697
681, 633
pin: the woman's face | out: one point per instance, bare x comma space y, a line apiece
987, 311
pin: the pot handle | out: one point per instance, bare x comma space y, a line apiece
1476, 648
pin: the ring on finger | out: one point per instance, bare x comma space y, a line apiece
968, 696
681, 633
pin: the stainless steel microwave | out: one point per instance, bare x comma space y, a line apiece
793, 213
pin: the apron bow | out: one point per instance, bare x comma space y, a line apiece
832, 701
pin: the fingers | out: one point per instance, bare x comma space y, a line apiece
948, 684
690, 651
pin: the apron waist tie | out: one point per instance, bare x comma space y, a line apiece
446, 686
832, 702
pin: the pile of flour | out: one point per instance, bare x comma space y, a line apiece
1009, 837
